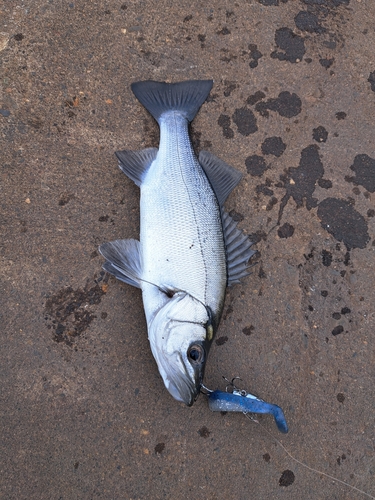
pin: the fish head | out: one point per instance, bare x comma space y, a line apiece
180, 335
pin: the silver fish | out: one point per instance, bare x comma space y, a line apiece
190, 249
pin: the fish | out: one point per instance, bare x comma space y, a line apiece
241, 401
190, 248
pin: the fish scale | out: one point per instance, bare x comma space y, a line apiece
181, 231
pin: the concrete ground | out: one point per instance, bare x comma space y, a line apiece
84, 412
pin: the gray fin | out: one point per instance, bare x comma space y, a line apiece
111, 269
123, 260
223, 178
160, 97
238, 250
135, 164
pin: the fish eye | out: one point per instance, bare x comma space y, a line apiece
195, 354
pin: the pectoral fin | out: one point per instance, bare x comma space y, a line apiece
123, 260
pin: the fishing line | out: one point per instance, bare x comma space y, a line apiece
305, 465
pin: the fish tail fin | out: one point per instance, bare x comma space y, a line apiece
159, 97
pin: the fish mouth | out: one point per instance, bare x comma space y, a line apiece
184, 389
185, 384
180, 346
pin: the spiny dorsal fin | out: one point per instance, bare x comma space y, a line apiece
135, 164
238, 250
123, 260
223, 178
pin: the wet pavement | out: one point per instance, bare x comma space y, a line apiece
84, 413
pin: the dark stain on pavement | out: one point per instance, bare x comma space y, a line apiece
307, 21
340, 397
341, 115
325, 183
286, 104
337, 330
273, 146
228, 311
326, 63
285, 231
267, 457
255, 55
300, 182
254, 98
245, 120
256, 165
236, 216
264, 188
221, 340
326, 258
258, 236
371, 80
204, 432
196, 140
364, 169
324, 4
287, 478
223, 31
224, 122
229, 87
70, 312
341, 220
65, 198
159, 448
292, 46
273, 201
324, 9
227, 56
320, 134
202, 39
272, 3
248, 330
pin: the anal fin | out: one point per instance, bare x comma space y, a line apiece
123, 260
238, 250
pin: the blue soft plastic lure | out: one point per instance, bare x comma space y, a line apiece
241, 401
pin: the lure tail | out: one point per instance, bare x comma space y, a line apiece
159, 97
235, 401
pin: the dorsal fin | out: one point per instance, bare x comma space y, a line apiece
135, 164
238, 250
223, 178
123, 260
